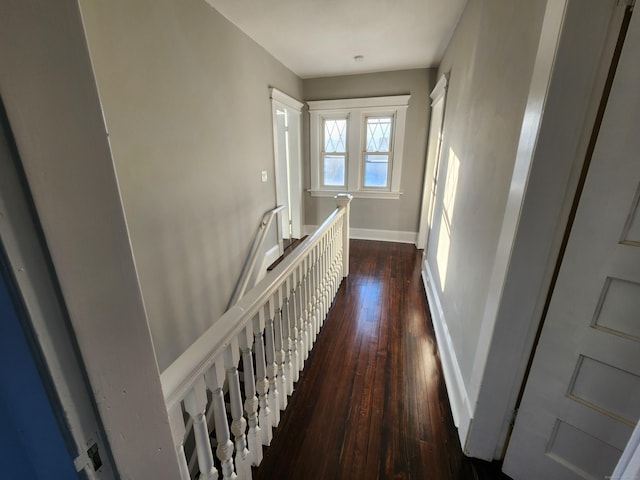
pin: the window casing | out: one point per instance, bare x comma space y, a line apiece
372, 138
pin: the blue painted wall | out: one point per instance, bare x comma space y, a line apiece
31, 445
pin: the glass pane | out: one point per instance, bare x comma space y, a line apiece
378, 134
335, 135
334, 170
375, 170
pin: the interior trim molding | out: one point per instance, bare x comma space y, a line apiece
456, 390
368, 102
286, 100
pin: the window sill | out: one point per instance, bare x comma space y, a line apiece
357, 194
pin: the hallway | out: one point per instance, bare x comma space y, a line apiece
371, 402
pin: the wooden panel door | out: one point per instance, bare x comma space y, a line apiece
582, 398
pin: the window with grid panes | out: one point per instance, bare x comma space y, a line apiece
357, 145
377, 153
334, 152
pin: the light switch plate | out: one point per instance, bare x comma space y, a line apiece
264, 176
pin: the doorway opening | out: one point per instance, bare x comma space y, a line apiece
288, 168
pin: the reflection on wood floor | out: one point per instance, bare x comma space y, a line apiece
371, 401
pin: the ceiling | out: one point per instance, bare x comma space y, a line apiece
317, 38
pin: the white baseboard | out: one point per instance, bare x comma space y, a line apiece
373, 234
456, 390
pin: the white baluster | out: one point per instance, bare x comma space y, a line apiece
314, 289
303, 344
308, 315
278, 344
215, 381
336, 261
238, 422
272, 368
195, 404
323, 277
286, 336
309, 300
176, 422
251, 400
296, 319
332, 259
303, 310
330, 265
340, 254
293, 327
262, 384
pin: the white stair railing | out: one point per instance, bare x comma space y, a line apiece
274, 326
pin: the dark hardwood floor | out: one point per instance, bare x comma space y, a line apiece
371, 402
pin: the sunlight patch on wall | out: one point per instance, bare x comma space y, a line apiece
448, 205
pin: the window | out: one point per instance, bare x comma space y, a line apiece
356, 146
377, 152
334, 152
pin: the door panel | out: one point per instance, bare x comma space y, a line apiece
582, 397
32, 444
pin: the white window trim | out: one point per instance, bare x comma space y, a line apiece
356, 110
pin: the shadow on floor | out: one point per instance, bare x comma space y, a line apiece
488, 470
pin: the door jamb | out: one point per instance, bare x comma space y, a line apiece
280, 99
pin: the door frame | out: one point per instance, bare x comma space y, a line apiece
289, 167
544, 183
438, 96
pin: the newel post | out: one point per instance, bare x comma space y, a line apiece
343, 200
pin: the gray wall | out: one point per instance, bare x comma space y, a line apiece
186, 102
490, 60
396, 215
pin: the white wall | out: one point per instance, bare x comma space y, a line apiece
186, 102
367, 214
490, 62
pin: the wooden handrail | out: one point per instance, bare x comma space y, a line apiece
249, 265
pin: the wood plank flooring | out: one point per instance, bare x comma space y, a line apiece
371, 402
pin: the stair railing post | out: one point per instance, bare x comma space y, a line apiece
343, 200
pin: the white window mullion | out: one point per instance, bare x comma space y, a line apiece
398, 147
315, 134
355, 164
